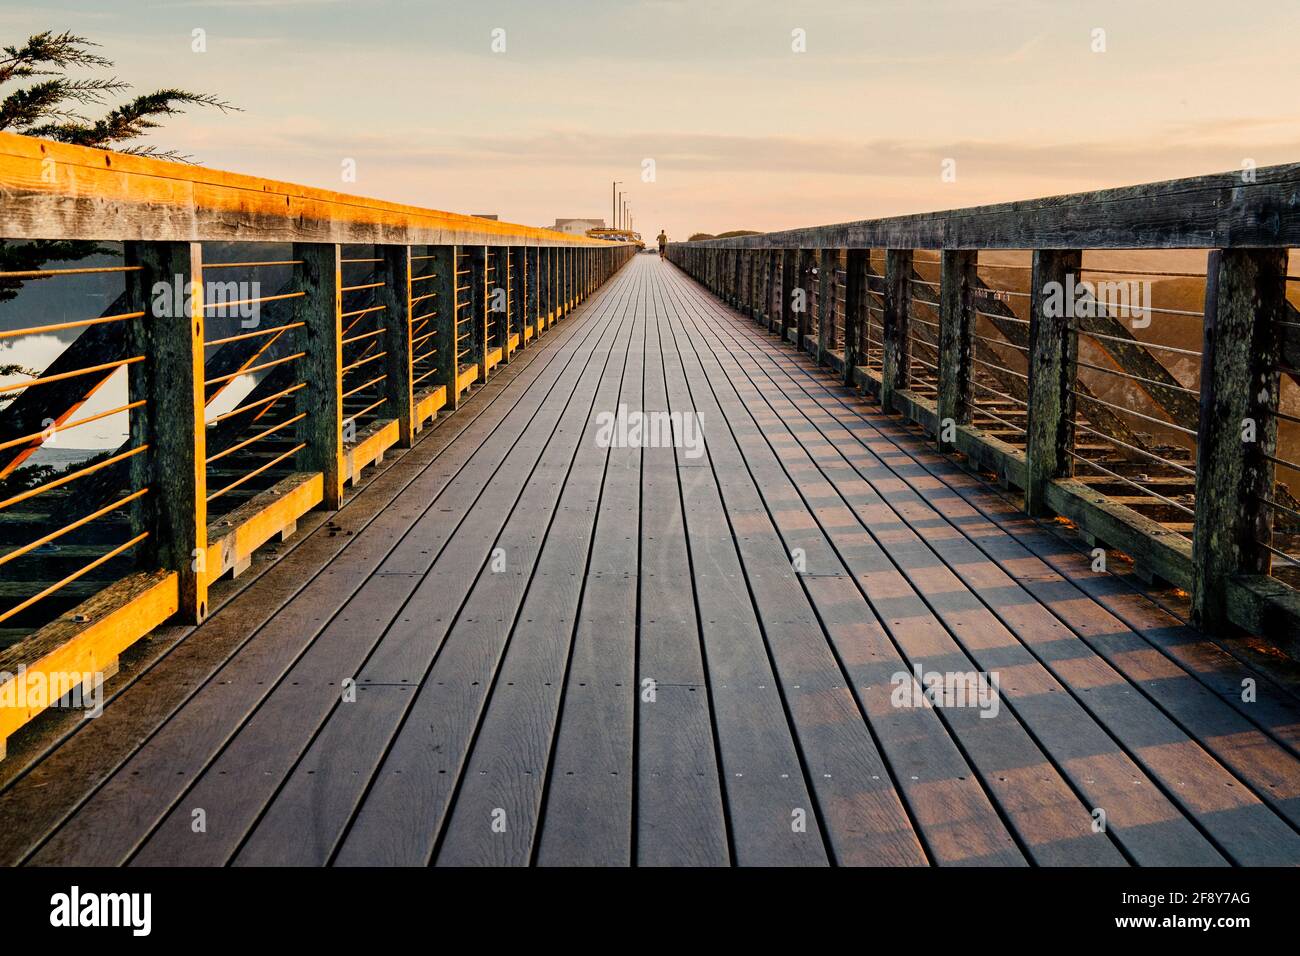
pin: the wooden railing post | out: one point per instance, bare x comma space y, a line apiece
548, 287
317, 276
855, 301
566, 280
737, 264
758, 283
1052, 370
532, 284
570, 279
956, 320
557, 284
395, 296
170, 379
803, 318
443, 285
787, 287
896, 365
497, 302
746, 293
537, 285
476, 263
537, 282
826, 261
772, 276
1245, 304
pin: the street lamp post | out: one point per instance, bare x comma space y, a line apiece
613, 199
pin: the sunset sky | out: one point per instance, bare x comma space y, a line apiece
744, 132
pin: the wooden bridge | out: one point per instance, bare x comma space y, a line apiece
480, 544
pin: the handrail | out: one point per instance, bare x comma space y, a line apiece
1255, 208
58, 191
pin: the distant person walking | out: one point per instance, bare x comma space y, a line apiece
663, 243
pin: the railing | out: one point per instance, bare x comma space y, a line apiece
1127, 358
217, 354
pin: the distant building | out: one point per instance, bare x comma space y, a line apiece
577, 227
486, 215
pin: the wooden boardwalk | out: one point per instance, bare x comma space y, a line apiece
518, 645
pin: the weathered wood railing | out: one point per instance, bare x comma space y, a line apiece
260, 343
1009, 333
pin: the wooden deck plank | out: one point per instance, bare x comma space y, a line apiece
589, 801
956, 820
1079, 749
681, 819
403, 812
1267, 769
495, 817
1148, 733
55, 786
939, 620
122, 812
302, 737
774, 821
858, 807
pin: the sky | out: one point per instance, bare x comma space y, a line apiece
757, 115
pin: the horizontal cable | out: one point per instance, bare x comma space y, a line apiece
102, 559
255, 438
363, 386
253, 368
1129, 411
1000, 368
271, 330
1136, 342
1136, 378
232, 303
67, 426
365, 311
80, 522
80, 473
1129, 481
49, 273
1191, 473
363, 335
62, 376
265, 401
364, 361
253, 474
80, 324
250, 265
369, 408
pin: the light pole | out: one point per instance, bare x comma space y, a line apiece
613, 200
618, 213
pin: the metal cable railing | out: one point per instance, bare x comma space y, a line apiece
71, 437
253, 351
